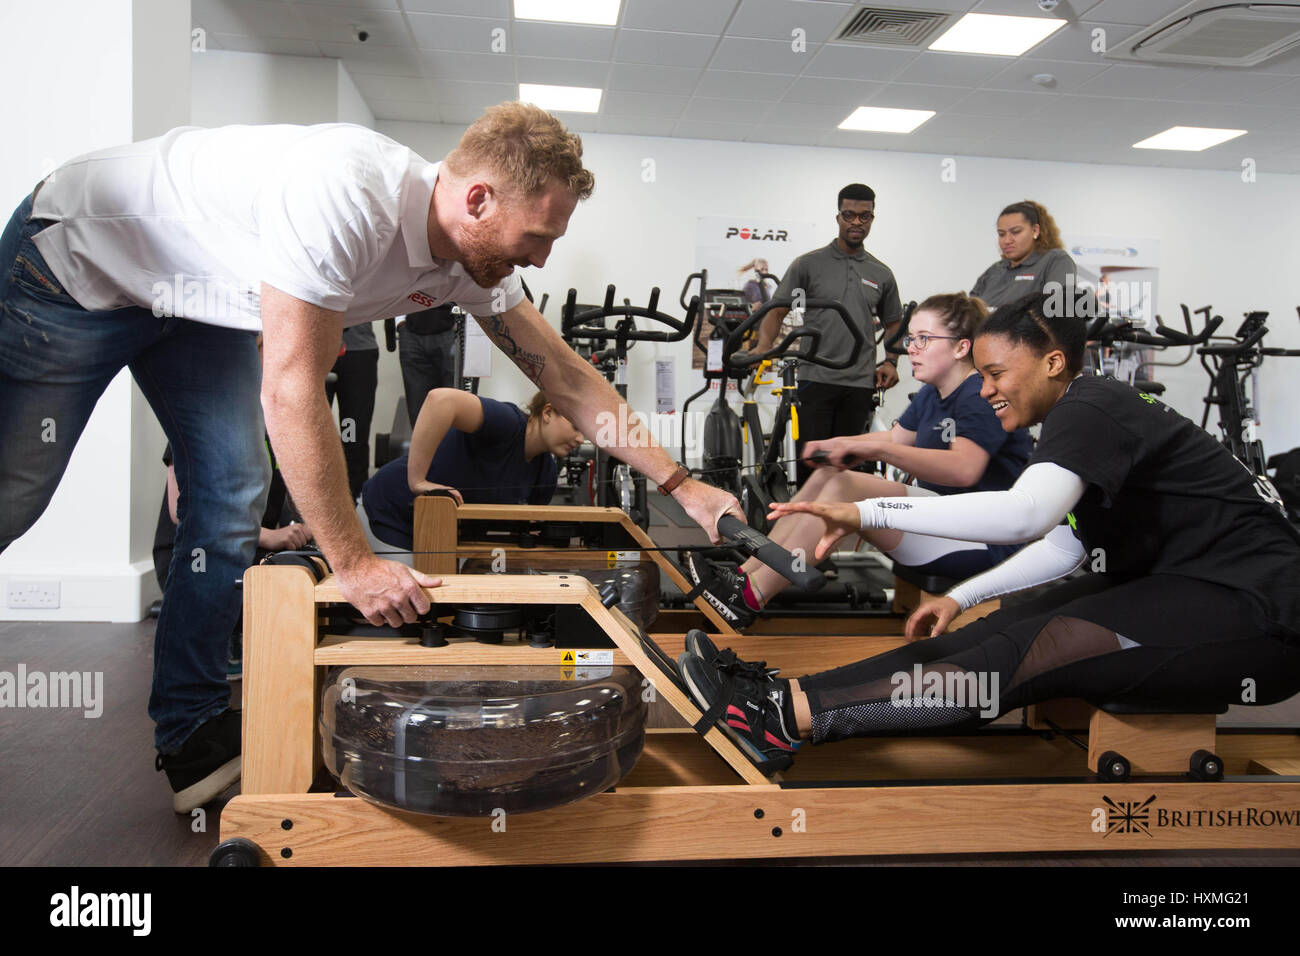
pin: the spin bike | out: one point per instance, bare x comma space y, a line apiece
1229, 364
616, 483
765, 473
1116, 346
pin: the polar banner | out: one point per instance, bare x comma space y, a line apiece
734, 248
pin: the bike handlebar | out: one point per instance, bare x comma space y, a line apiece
572, 323
737, 335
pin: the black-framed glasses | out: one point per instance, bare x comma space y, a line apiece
922, 341
862, 217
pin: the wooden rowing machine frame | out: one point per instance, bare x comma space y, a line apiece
692, 797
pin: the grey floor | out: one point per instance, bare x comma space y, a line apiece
84, 792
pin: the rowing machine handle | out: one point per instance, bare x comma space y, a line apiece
823, 458
753, 544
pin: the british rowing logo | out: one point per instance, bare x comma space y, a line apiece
1128, 816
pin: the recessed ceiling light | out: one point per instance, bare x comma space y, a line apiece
998, 35
1193, 138
600, 12
566, 99
879, 119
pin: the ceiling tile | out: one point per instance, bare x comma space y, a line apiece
475, 67
742, 86
659, 105
952, 69
778, 19
563, 40
374, 86
807, 114
645, 78
354, 4
580, 122
461, 34
1069, 76
406, 110
1003, 103
477, 95
636, 125
857, 139
1135, 12
950, 124
468, 8
831, 91
1218, 85
1286, 95
371, 58
858, 62
686, 16
692, 129
562, 72
707, 109
247, 18
247, 44
664, 49
1142, 82
339, 25
788, 135
1287, 64
772, 56
460, 115
917, 96
1075, 42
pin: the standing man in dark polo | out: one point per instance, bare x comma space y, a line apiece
836, 402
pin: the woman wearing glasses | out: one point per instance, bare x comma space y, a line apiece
1033, 255
948, 439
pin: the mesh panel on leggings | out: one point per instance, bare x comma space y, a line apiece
886, 715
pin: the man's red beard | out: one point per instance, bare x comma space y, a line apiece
480, 255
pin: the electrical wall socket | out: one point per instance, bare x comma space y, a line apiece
33, 593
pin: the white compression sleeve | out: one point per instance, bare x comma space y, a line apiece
1047, 559
1026, 511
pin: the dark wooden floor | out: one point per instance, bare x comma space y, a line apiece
84, 792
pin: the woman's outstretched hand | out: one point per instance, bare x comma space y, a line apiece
939, 610
841, 518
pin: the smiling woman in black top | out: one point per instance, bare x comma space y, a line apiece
1193, 600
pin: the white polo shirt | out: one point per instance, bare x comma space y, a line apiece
192, 222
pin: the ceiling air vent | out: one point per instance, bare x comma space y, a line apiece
891, 27
1213, 33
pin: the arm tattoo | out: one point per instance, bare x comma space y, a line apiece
531, 364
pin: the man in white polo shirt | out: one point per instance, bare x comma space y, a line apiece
166, 256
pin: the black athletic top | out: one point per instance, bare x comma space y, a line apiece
1164, 497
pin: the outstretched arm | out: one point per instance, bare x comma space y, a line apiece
582, 396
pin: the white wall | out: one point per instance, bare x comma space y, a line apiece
128, 80
1222, 241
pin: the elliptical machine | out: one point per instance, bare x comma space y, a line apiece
615, 483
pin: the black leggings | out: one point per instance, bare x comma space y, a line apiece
1160, 640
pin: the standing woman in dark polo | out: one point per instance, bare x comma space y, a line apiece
1032, 256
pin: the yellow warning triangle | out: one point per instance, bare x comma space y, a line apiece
567, 658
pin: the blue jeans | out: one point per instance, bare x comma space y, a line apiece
204, 384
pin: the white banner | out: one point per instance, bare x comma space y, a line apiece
1124, 271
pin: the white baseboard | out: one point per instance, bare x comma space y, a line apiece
120, 594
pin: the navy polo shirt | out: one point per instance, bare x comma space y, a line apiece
486, 466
